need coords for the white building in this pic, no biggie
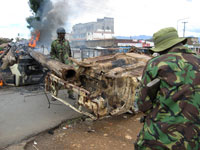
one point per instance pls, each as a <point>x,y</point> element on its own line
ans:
<point>102,29</point>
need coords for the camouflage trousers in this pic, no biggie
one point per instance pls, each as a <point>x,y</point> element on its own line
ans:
<point>60,87</point>
<point>147,140</point>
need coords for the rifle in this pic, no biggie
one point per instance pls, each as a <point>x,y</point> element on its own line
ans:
<point>152,89</point>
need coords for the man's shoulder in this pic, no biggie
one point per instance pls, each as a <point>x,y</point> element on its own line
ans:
<point>158,61</point>
<point>164,57</point>
<point>54,42</point>
<point>170,57</point>
<point>66,41</point>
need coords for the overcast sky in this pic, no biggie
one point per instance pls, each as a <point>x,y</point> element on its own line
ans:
<point>131,17</point>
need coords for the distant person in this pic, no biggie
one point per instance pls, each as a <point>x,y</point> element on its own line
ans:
<point>61,51</point>
<point>60,48</point>
<point>172,104</point>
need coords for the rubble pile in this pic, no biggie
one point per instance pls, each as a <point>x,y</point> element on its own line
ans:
<point>17,67</point>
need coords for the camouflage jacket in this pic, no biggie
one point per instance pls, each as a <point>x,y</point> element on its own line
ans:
<point>173,117</point>
<point>60,50</point>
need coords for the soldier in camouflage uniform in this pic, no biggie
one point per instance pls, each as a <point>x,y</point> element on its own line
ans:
<point>61,51</point>
<point>172,119</point>
<point>60,48</point>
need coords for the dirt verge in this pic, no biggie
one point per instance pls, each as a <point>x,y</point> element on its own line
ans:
<point>117,133</point>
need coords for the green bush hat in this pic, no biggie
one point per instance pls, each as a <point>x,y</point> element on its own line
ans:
<point>166,38</point>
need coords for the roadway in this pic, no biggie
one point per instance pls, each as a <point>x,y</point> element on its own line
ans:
<point>24,113</point>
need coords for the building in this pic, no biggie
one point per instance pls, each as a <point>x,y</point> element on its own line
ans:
<point>102,29</point>
<point>101,34</point>
<point>193,43</point>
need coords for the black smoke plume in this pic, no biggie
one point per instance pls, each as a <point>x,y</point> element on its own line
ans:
<point>47,17</point>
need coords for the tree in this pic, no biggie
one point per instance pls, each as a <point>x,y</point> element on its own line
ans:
<point>35,6</point>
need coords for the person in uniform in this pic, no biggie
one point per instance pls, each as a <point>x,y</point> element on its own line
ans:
<point>61,51</point>
<point>169,96</point>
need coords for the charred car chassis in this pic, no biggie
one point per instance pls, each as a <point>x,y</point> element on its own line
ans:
<point>105,85</point>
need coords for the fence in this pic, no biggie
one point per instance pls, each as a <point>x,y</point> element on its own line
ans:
<point>81,54</point>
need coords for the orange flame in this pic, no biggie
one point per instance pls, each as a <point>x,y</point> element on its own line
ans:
<point>34,38</point>
<point>1,83</point>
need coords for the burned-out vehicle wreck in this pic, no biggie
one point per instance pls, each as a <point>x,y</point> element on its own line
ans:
<point>105,85</point>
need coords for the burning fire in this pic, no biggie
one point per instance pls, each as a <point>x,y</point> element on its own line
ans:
<point>1,83</point>
<point>34,38</point>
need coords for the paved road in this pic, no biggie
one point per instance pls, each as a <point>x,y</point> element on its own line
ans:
<point>24,112</point>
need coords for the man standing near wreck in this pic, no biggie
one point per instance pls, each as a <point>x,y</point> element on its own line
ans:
<point>61,51</point>
<point>172,108</point>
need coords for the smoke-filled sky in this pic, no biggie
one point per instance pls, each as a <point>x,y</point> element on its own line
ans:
<point>131,17</point>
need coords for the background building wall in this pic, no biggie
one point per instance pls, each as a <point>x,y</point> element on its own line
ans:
<point>102,29</point>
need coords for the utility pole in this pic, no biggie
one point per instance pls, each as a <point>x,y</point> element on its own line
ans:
<point>180,20</point>
<point>184,28</point>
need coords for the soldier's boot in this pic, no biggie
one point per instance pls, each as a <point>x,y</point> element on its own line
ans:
<point>71,95</point>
